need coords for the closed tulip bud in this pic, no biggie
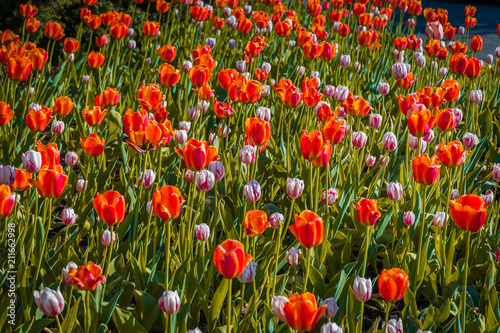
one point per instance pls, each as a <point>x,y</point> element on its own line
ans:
<point>263,113</point>
<point>332,197</point>
<point>248,154</point>
<point>301,70</point>
<point>132,44</point>
<point>31,91</point>
<point>266,88</point>
<point>186,66</point>
<point>227,12</point>
<point>458,115</point>
<point>345,60</point>
<point>358,139</point>
<point>454,194</point>
<point>252,191</point>
<point>420,59</point>
<point>85,79</point>
<point>291,44</point>
<point>439,219</point>
<point>294,187</point>
<point>443,71</point>
<point>293,256</point>
<point>70,159</point>
<point>434,30</point>
<point>489,59</point>
<point>149,178</point>
<point>248,273</point>
<point>331,327</point>
<point>210,42</point>
<point>181,137</point>
<point>469,140</point>
<point>202,231</point>
<point>50,302</point>
<point>389,141</point>
<point>67,279</point>
<point>370,161</point>
<point>341,93</point>
<point>385,160</point>
<point>57,127</point>
<point>497,52</point>
<point>399,70</point>
<point>241,66</point>
<point>394,326</point>
<point>395,191</point>
<point>328,91</point>
<point>217,168</point>
<point>411,23</point>
<point>106,238</point>
<point>205,180</point>
<point>278,305</point>
<point>185,125</point>
<point>190,176</point>
<point>357,65</point>
<point>420,331</point>
<point>148,61</point>
<point>81,184</point>
<point>413,143</point>
<point>362,289</point>
<point>212,137</point>
<point>496,172</point>
<point>429,136</point>
<point>68,216</point>
<point>193,113</point>
<point>408,218</point>
<point>275,220</point>
<point>266,67</point>
<point>169,302</point>
<point>476,96</point>
<point>71,57</point>
<point>461,30</point>
<point>130,32</point>
<point>231,43</point>
<point>434,65</point>
<point>7,175</point>
<point>488,197</point>
<point>375,120</point>
<point>331,307</point>
<point>32,161</point>
<point>383,88</point>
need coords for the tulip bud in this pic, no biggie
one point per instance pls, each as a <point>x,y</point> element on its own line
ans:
<point>331,327</point>
<point>420,59</point>
<point>66,270</point>
<point>186,66</point>
<point>370,161</point>
<point>68,216</point>
<point>345,60</point>
<point>231,43</point>
<point>458,115</point>
<point>181,137</point>
<point>148,208</point>
<point>332,197</point>
<point>278,305</point>
<point>85,79</point>
<point>70,159</point>
<point>399,70</point>
<point>293,256</point>
<point>341,93</point>
<point>434,30</point>
<point>439,219</point>
<point>71,57</point>
<point>57,127</point>
<point>252,191</point>
<point>420,331</point>
<point>331,307</point>
<point>169,302</point>
<point>454,194</point>
<point>429,136</point>
<point>205,180</point>
<point>50,302</point>
<point>149,178</point>
<point>210,42</point>
<point>413,143</point>
<point>301,70</point>
<point>130,32</point>
<point>81,184</point>
<point>488,197</point>
<point>190,176</point>
<point>476,96</point>
<point>291,44</point>
<point>411,23</point>
<point>266,67</point>
<point>389,141</point>
<point>266,88</point>
<point>193,113</point>
<point>469,140</point>
<point>328,91</point>
<point>31,91</point>
<point>409,218</point>
<point>294,187</point>
<point>395,191</point>
<point>383,88</point>
<point>497,52</point>
<point>248,273</point>
<point>202,231</point>
<point>148,61</point>
<point>263,113</point>
<point>358,139</point>
<point>132,44</point>
<point>460,30</point>
<point>32,161</point>
<point>106,238</point>
<point>384,160</point>
<point>241,66</point>
<point>7,175</point>
<point>362,289</point>
<point>227,11</point>
<point>375,120</point>
<point>393,325</point>
<point>443,71</point>
<point>275,220</point>
<point>212,137</point>
<point>217,168</point>
<point>357,65</point>
<point>247,154</point>
<point>434,65</point>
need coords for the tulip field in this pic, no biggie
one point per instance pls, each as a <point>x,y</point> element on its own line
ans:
<point>248,166</point>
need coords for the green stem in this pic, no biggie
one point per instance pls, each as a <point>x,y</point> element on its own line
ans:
<point>307,264</point>
<point>464,288</point>
<point>229,307</point>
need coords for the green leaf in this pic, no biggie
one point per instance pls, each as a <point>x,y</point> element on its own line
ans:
<point>125,322</point>
<point>218,300</point>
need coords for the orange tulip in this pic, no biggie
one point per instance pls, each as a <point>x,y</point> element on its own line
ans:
<point>198,13</point>
<point>37,120</point>
<point>425,170</point>
<point>124,18</point>
<point>261,19</point>
<point>70,45</point>
<point>38,58</point>
<point>50,182</point>
<point>406,103</point>
<point>367,211</point>
<point>334,130</point>
<point>312,49</point>
<point>446,120</point>
<point>311,96</point>
<point>86,277</point>
<point>222,109</point>
<point>392,284</point>
<point>430,97</point>
<point>473,68</point>
<point>365,19</point>
<point>311,144</point>
<point>109,18</point>
<point>200,50</point>
<point>50,154</point>
<point>413,42</point>
<point>452,90</point>
<point>468,212</point>
<point>283,28</point>
<point>92,145</point>
<point>470,10</point>
<point>230,258</point>
<point>54,30</point>
<point>204,93</point>
<point>95,59</point>
<point>27,10</point>
<point>199,75</point>
<point>309,228</point>
<point>93,116</point>
<point>92,21</point>
<point>458,47</point>
<point>110,207</point>
<point>476,43</point>
<point>470,22</point>
<point>169,76</point>
<point>110,96</point>
<point>119,30</point>
<point>19,68</point>
<point>302,311</point>
<point>344,29</point>
<point>452,154</point>
<point>206,61</point>
<point>244,25</point>
<point>449,31</point>
<point>167,201</point>
<point>407,82</point>
<point>420,123</point>
<point>32,24</point>
<point>458,63</point>
<point>219,22</point>
<point>245,90</point>
<point>258,131</point>
<point>8,37</point>
<point>6,113</point>
<point>6,201</point>
<point>255,222</point>
<point>162,6</point>
<point>149,97</point>
<point>89,2</point>
<point>357,106</point>
<point>150,28</point>
<point>101,41</point>
<point>261,75</point>
<point>21,182</point>
<point>197,154</point>
<point>167,53</point>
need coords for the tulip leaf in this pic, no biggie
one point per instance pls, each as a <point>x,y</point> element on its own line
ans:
<point>218,300</point>
<point>71,317</point>
<point>125,322</point>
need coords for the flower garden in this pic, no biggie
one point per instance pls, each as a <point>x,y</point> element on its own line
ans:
<point>252,166</point>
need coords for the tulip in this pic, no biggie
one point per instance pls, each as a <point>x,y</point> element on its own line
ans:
<point>70,159</point>
<point>63,105</point>
<point>278,305</point>
<point>439,219</point>
<point>454,194</point>
<point>383,88</point>
<point>476,96</point>
<point>263,113</point>
<point>205,180</point>
<point>332,197</point>
<point>468,212</point>
<point>230,258</point>
<point>394,326</point>
<point>452,154</point>
<point>32,161</point>
<point>6,113</point>
<point>86,277</point>
<point>311,144</point>
<point>302,312</point>
<point>57,127</point>
<point>341,93</point>
<point>308,229</point>
<point>38,119</point>
<point>81,184</point>
<point>362,289</point>
<point>370,161</point>
<point>252,191</point>
<point>50,182</point>
<point>95,59</point>
<point>110,207</point>
<point>92,145</point>
<point>167,201</point>
<point>181,137</point>
<point>169,76</point>
<point>434,30</point>
<point>425,170</point>
<point>496,172</point>
<point>392,284</point>
<point>488,197</point>
<point>429,137</point>
<point>7,201</point>
<point>258,131</point>
<point>49,301</point>
<point>247,154</point>
<point>408,218</point>
<point>294,187</point>
<point>68,216</point>
<point>389,141</point>
<point>358,139</point>
<point>458,115</point>
<point>106,238</point>
<point>476,43</point>
<point>331,307</point>
<point>202,231</point>
<point>217,168</point>
<point>345,60</point>
<point>149,178</point>
<point>399,70</point>
<point>275,220</point>
<point>169,302</point>
<point>149,97</point>
<point>375,120</point>
<point>248,273</point>
<point>331,328</point>
<point>197,154</point>
<point>293,256</point>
